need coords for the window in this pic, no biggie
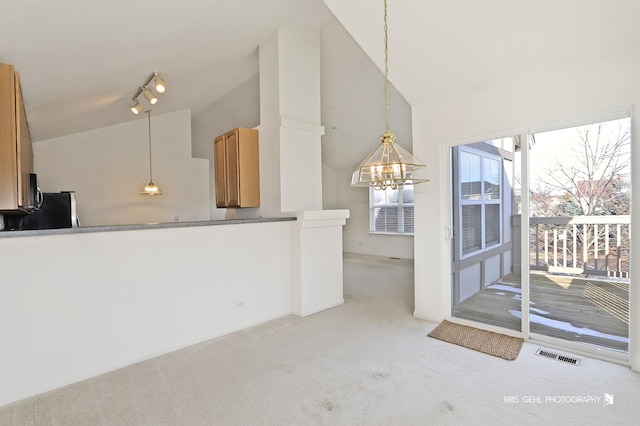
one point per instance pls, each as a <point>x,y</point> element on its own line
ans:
<point>480,200</point>
<point>391,211</point>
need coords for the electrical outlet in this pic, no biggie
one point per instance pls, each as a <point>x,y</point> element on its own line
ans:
<point>177,218</point>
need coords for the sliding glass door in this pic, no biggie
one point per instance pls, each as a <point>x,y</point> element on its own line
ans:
<point>579,208</point>
<point>541,228</point>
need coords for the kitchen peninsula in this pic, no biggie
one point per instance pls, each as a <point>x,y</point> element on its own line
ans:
<point>78,302</point>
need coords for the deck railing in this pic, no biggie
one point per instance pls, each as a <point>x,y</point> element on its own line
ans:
<point>592,245</point>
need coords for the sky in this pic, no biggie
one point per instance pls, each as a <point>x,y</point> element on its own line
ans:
<point>560,145</point>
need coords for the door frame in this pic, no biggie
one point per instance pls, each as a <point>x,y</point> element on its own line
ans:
<point>632,358</point>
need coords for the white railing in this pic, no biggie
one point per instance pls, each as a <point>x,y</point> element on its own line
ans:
<point>592,245</point>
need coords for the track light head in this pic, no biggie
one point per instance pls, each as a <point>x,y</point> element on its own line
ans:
<point>136,108</point>
<point>160,87</point>
<point>150,96</point>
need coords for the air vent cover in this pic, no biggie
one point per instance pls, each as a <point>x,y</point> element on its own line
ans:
<point>562,358</point>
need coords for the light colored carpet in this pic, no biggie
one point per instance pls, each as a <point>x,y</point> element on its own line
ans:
<point>366,362</point>
<point>488,342</point>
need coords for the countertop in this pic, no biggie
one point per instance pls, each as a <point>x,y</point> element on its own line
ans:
<point>136,227</point>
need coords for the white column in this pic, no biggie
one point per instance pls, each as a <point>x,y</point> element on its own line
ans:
<point>290,128</point>
<point>316,261</point>
<point>291,167</point>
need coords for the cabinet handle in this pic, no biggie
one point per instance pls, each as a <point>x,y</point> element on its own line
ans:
<point>39,198</point>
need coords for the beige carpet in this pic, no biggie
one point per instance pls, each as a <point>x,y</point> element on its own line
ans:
<point>366,362</point>
<point>496,344</point>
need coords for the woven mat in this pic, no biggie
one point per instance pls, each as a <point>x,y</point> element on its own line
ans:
<point>491,343</point>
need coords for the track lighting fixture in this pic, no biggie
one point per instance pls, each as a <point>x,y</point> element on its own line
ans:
<point>136,108</point>
<point>159,87</point>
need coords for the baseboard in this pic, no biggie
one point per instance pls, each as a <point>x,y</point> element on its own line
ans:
<point>426,317</point>
<point>306,313</point>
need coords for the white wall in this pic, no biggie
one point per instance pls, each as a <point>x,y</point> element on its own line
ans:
<point>66,321</point>
<point>592,85</point>
<point>329,187</point>
<point>238,108</point>
<point>108,167</point>
<point>353,114</point>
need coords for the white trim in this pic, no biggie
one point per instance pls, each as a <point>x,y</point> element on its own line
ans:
<point>446,222</point>
<point>483,138</point>
<point>303,126</point>
<point>397,234</point>
<point>525,294</point>
<point>488,327</point>
<point>634,264</point>
<point>481,202</point>
<point>615,114</point>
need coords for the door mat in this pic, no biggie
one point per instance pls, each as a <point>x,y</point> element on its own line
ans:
<point>488,342</point>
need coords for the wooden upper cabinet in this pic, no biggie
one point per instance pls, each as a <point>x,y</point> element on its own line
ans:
<point>237,168</point>
<point>25,148</point>
<point>16,153</point>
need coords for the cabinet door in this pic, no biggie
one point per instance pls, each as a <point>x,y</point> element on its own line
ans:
<point>219,165</point>
<point>25,150</point>
<point>233,181</point>
<point>8,163</point>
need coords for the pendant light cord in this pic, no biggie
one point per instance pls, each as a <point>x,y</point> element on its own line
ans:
<point>386,67</point>
<point>150,169</point>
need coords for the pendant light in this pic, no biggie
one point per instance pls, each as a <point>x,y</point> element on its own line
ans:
<point>151,188</point>
<point>389,165</point>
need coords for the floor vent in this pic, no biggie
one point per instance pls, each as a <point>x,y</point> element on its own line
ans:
<point>558,357</point>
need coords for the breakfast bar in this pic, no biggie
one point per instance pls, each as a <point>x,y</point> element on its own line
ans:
<point>126,293</point>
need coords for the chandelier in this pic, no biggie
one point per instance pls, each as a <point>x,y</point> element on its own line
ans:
<point>389,165</point>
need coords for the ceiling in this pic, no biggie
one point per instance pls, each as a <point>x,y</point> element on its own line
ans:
<point>442,51</point>
<point>81,61</point>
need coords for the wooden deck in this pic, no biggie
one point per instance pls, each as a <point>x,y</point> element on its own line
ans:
<point>583,310</point>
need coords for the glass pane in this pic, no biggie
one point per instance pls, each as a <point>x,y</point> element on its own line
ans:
<point>470,176</point>
<point>408,219</point>
<point>407,195</point>
<point>579,240</point>
<point>491,179</point>
<point>471,229</point>
<point>485,287</point>
<point>492,224</point>
<point>392,196</point>
<point>385,219</point>
<point>377,196</point>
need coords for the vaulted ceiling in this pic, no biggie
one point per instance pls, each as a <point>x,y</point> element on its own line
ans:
<point>81,61</point>
<point>449,49</point>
